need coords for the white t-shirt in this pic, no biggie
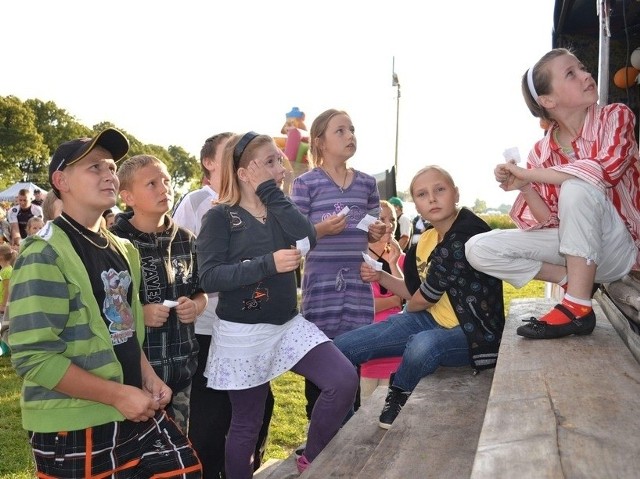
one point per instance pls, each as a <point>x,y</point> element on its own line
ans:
<point>405,226</point>
<point>188,214</point>
<point>15,216</point>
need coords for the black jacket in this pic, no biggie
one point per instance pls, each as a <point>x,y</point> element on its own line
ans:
<point>475,297</point>
<point>169,270</point>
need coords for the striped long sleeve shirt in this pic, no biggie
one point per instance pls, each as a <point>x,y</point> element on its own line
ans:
<point>605,155</point>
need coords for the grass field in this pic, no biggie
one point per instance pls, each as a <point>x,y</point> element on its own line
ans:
<point>287,425</point>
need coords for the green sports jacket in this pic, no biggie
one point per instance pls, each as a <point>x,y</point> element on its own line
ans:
<point>55,321</point>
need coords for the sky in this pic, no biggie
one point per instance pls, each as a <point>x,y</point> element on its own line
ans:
<point>175,73</point>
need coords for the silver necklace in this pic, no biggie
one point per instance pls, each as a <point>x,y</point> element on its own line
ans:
<point>344,181</point>
<point>262,217</point>
<point>85,236</point>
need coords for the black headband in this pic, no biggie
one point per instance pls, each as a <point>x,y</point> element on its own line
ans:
<point>241,146</point>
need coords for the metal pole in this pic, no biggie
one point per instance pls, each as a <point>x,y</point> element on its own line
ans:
<point>603,51</point>
<point>396,83</point>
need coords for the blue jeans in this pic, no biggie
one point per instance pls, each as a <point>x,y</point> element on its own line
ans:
<point>423,344</point>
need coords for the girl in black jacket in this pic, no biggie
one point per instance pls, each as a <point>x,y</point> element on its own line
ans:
<point>454,314</point>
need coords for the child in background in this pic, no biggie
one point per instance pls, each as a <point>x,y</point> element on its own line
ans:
<point>91,402</point>
<point>109,218</point>
<point>454,314</point>
<point>169,274</point>
<point>7,260</point>
<point>387,251</point>
<point>34,224</point>
<point>404,227</point>
<point>334,297</point>
<point>5,227</point>
<point>51,207</point>
<point>578,209</point>
<point>248,251</point>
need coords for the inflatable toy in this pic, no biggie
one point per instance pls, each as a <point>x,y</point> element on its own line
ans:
<point>295,145</point>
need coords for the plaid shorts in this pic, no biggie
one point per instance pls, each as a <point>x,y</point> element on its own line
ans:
<point>122,450</point>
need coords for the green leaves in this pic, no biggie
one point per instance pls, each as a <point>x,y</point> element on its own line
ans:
<point>30,131</point>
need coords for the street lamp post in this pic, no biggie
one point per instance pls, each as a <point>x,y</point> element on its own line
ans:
<point>396,83</point>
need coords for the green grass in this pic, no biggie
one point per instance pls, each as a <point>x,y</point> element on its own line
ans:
<point>287,425</point>
<point>534,289</point>
<point>15,453</point>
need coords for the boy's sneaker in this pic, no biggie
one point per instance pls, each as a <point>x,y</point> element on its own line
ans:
<point>396,399</point>
<point>302,463</point>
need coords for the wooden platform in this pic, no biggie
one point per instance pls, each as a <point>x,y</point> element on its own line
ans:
<point>564,408</point>
<point>446,408</point>
<point>348,450</point>
<point>437,432</point>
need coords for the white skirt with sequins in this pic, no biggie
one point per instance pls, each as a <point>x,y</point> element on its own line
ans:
<point>242,356</point>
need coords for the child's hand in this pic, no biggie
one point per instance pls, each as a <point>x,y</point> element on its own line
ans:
<point>155,314</point>
<point>158,390</point>
<point>287,259</point>
<point>394,251</point>
<point>257,173</point>
<point>139,405</point>
<point>186,310</point>
<point>510,176</point>
<point>376,230</point>
<point>333,225</point>
<point>368,274</point>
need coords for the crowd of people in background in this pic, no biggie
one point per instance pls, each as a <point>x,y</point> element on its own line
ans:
<point>164,324</point>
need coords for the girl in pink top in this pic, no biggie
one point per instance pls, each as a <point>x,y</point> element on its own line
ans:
<point>386,250</point>
<point>578,211</point>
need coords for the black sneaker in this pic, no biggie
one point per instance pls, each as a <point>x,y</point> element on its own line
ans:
<point>581,326</point>
<point>396,398</point>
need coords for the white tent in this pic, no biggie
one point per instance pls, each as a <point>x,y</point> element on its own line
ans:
<point>10,193</point>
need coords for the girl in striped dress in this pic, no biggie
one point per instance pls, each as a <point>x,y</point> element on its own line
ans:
<point>578,211</point>
<point>336,199</point>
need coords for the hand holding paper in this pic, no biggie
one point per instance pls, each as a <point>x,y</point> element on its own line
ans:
<point>303,245</point>
<point>365,222</point>
<point>376,265</point>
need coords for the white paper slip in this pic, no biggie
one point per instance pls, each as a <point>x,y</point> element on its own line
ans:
<point>376,265</point>
<point>344,211</point>
<point>512,154</point>
<point>303,245</point>
<point>365,222</point>
<point>169,303</point>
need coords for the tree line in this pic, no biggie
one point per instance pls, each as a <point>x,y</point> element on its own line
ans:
<point>31,130</point>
